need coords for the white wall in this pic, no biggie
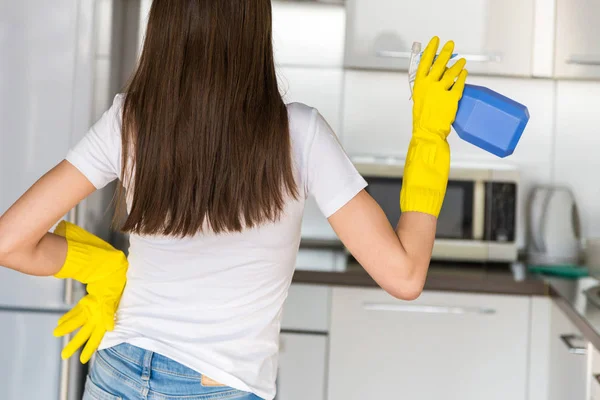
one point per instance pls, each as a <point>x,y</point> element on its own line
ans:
<point>371,113</point>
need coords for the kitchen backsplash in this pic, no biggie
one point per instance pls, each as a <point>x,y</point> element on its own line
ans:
<point>371,113</point>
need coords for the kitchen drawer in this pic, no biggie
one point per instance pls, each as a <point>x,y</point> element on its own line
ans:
<point>496,37</point>
<point>308,34</point>
<point>307,308</point>
<point>568,374</point>
<point>443,345</point>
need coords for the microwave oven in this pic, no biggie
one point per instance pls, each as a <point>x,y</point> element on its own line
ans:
<point>477,222</point>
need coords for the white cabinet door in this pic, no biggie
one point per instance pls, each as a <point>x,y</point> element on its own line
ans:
<point>568,361</point>
<point>577,46</point>
<point>594,374</point>
<point>307,308</point>
<point>302,366</point>
<point>308,34</point>
<point>441,346</point>
<point>495,36</point>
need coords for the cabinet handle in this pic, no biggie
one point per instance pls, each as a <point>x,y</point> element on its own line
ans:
<point>573,349</point>
<point>427,309</point>
<point>484,58</point>
<point>583,60</point>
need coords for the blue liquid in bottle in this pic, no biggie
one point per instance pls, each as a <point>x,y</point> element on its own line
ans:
<point>490,121</point>
<point>485,118</point>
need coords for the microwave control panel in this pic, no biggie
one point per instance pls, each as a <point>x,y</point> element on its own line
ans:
<point>500,211</point>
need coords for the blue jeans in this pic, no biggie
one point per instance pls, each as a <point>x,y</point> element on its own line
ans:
<point>126,372</point>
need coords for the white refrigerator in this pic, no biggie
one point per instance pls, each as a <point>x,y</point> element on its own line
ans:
<point>56,76</point>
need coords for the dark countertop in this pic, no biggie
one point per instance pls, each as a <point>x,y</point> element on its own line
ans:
<point>457,278</point>
<point>568,294</point>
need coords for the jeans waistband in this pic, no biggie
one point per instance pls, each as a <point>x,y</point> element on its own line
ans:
<point>150,361</point>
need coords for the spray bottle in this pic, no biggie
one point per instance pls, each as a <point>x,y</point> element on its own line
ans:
<point>485,118</point>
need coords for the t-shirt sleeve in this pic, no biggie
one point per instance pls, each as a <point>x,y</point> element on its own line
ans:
<point>98,153</point>
<point>332,179</point>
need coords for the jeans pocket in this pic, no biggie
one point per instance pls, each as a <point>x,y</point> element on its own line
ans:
<point>94,392</point>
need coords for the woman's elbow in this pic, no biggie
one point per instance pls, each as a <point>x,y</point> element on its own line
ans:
<point>5,251</point>
<point>407,287</point>
<point>10,255</point>
<point>407,291</point>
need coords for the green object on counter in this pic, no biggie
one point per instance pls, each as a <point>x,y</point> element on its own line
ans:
<point>564,271</point>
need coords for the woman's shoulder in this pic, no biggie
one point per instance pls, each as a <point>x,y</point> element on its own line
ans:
<point>303,120</point>
<point>302,126</point>
<point>300,113</point>
<point>306,122</point>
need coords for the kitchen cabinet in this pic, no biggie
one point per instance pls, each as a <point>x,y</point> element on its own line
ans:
<point>594,373</point>
<point>443,345</point>
<point>303,343</point>
<point>496,37</point>
<point>568,362</point>
<point>308,34</point>
<point>307,308</point>
<point>577,52</point>
<point>302,366</point>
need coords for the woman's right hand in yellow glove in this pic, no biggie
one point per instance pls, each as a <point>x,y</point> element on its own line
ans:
<point>92,261</point>
<point>436,94</point>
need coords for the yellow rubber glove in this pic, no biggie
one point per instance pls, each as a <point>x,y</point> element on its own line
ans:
<point>91,261</point>
<point>436,94</point>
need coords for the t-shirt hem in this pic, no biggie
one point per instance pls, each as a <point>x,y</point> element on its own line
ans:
<point>206,369</point>
<point>357,184</point>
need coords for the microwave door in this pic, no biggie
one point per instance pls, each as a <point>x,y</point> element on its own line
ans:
<point>456,217</point>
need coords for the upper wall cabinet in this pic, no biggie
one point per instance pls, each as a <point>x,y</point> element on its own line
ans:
<point>308,34</point>
<point>577,46</point>
<point>495,36</point>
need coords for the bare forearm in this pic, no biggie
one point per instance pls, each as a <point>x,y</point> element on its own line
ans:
<point>416,232</point>
<point>25,244</point>
<point>44,259</point>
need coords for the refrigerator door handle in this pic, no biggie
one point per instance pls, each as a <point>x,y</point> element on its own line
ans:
<point>72,217</point>
<point>64,372</point>
<point>68,299</point>
<point>69,289</point>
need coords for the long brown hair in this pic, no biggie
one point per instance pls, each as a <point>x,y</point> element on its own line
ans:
<point>205,130</point>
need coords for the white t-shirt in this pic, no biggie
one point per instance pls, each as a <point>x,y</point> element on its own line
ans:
<point>213,302</point>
